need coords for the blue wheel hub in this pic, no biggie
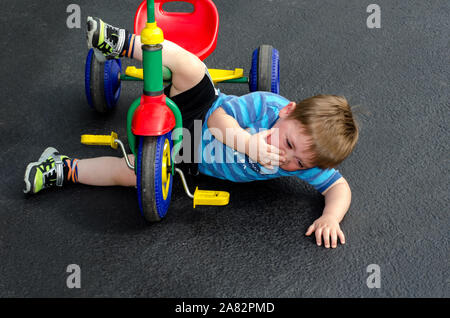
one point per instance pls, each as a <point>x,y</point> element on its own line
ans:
<point>112,82</point>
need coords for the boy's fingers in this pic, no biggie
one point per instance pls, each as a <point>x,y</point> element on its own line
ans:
<point>309,230</point>
<point>319,236</point>
<point>326,237</point>
<point>341,236</point>
<point>265,133</point>
<point>268,132</point>
<point>270,159</point>
<point>333,239</point>
<point>273,149</point>
<point>275,158</point>
<point>266,162</point>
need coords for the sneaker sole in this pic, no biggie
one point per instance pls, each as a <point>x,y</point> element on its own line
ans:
<point>47,153</point>
<point>91,28</point>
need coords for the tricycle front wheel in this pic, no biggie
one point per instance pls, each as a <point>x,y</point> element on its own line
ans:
<point>154,176</point>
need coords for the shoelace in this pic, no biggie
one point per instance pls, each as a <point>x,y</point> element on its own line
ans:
<point>112,34</point>
<point>48,175</point>
<point>105,48</point>
<point>112,37</point>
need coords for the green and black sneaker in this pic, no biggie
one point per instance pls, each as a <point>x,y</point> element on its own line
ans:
<point>47,172</point>
<point>106,38</point>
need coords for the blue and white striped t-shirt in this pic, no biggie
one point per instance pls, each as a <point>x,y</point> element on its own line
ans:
<point>256,111</point>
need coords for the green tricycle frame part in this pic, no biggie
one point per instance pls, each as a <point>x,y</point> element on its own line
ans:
<point>152,65</point>
<point>153,85</point>
<point>150,11</point>
<point>166,73</point>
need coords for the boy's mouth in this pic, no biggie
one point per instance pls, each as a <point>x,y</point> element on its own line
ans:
<point>269,140</point>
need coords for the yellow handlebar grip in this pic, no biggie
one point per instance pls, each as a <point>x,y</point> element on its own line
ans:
<point>100,140</point>
<point>134,72</point>
<point>223,75</point>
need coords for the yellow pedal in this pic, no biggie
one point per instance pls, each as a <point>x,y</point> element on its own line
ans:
<point>208,197</point>
<point>100,140</point>
<point>224,75</point>
<point>134,72</point>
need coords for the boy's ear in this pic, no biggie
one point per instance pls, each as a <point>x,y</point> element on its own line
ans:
<point>287,110</point>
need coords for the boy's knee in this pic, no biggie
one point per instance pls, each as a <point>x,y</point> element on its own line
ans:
<point>187,62</point>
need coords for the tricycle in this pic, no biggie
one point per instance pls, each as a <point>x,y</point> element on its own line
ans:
<point>153,116</point>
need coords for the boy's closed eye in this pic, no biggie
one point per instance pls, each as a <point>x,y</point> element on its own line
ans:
<point>290,147</point>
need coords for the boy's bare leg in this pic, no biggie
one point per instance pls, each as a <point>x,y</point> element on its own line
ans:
<point>187,69</point>
<point>53,169</point>
<point>106,171</point>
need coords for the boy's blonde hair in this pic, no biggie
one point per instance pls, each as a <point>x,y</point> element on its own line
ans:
<point>329,122</point>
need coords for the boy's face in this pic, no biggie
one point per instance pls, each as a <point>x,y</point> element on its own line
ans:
<point>291,138</point>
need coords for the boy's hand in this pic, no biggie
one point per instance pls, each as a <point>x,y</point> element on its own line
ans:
<point>327,227</point>
<point>259,150</point>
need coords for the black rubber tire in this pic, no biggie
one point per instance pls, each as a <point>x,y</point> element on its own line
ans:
<point>264,72</point>
<point>147,176</point>
<point>265,68</point>
<point>97,85</point>
<point>152,202</point>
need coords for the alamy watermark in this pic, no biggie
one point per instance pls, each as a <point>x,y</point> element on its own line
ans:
<point>74,19</point>
<point>74,279</point>
<point>220,148</point>
<point>374,279</point>
<point>374,19</point>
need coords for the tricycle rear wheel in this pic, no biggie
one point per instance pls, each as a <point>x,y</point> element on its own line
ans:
<point>102,82</point>
<point>265,70</point>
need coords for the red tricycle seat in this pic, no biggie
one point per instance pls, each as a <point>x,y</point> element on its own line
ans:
<point>195,31</point>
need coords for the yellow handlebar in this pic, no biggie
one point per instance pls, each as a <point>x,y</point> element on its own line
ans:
<point>100,140</point>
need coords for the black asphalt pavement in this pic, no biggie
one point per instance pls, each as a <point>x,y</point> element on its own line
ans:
<point>396,76</point>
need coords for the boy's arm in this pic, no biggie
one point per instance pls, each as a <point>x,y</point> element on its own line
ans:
<point>337,199</point>
<point>337,202</point>
<point>227,130</point>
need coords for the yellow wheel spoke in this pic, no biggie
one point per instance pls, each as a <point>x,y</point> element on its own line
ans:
<point>165,169</point>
